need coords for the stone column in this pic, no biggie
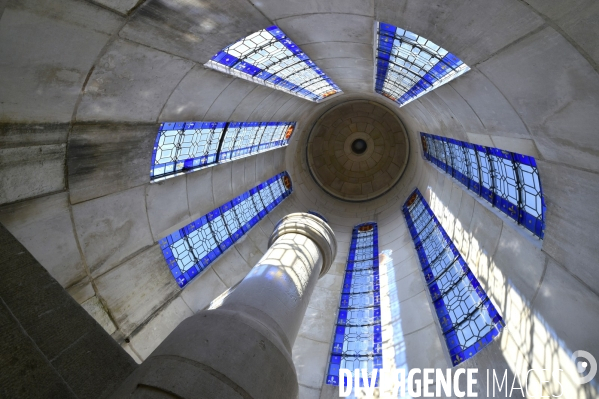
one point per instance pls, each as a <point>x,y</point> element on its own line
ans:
<point>242,348</point>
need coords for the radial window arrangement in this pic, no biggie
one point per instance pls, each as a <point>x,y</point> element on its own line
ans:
<point>509,181</point>
<point>182,147</point>
<point>190,250</point>
<point>358,340</point>
<point>270,58</point>
<point>468,319</point>
<point>409,66</point>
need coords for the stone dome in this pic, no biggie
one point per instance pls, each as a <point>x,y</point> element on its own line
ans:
<point>86,86</point>
<point>357,150</point>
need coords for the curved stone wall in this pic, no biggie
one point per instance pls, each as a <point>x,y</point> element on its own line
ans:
<point>87,83</point>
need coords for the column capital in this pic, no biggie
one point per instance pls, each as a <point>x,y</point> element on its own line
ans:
<point>312,227</point>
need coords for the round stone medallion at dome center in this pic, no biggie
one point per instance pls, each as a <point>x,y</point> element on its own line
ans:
<point>357,150</point>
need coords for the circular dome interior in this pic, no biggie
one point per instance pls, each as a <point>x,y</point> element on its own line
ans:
<point>357,150</point>
<point>87,84</point>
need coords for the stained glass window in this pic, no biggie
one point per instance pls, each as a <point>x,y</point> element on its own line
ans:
<point>409,66</point>
<point>181,147</point>
<point>507,180</point>
<point>190,250</point>
<point>270,58</point>
<point>358,339</point>
<point>468,319</point>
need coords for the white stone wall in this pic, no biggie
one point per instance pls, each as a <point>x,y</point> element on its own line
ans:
<point>104,250</point>
<point>85,87</point>
<point>549,311</point>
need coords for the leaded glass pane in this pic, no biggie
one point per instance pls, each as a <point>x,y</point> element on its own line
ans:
<point>363,281</point>
<point>270,58</point>
<point>272,133</point>
<point>506,184</point>
<point>486,170</point>
<point>474,170</point>
<point>419,211</point>
<point>442,261</point>
<point>363,264</point>
<point>188,251</point>
<point>229,139</point>
<point>423,220</point>
<point>428,228</point>
<point>245,211</point>
<point>168,146</point>
<point>232,220</point>
<point>466,316</point>
<point>183,252</point>
<point>448,156</point>
<point>448,275</point>
<point>531,190</point>
<point>409,66</point>
<point>361,300</point>
<point>359,341</point>
<point>532,213</point>
<point>257,200</point>
<point>182,147</point>
<point>479,325</point>
<point>509,181</point>
<point>360,316</point>
<point>461,300</point>
<point>277,189</point>
<point>432,147</point>
<point>459,159</point>
<point>248,137</point>
<point>219,229</point>
<point>420,214</point>
<point>358,336</point>
<point>201,241</point>
<point>363,253</point>
<point>440,149</point>
<point>434,244</point>
<point>267,196</point>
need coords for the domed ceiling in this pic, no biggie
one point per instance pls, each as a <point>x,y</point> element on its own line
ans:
<point>357,150</point>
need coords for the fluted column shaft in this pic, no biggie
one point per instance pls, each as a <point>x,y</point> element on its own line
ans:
<point>242,348</point>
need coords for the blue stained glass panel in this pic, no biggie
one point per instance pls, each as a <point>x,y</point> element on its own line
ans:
<point>188,251</point>
<point>201,242</point>
<point>181,147</point>
<point>358,335</point>
<point>508,181</point>
<point>270,58</point>
<point>409,66</point>
<point>245,210</point>
<point>467,317</point>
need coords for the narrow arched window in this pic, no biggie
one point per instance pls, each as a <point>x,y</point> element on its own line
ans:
<point>182,147</point>
<point>467,317</point>
<point>357,343</point>
<point>270,58</point>
<point>409,66</point>
<point>507,180</point>
<point>190,250</point>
